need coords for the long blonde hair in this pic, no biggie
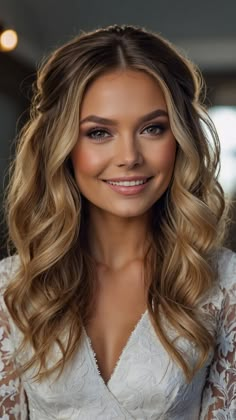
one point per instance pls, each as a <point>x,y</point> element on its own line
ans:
<point>55,285</point>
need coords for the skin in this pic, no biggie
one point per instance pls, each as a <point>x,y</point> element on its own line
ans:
<point>118,223</point>
<point>127,148</point>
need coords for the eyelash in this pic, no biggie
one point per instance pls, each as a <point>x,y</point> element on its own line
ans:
<point>161,127</point>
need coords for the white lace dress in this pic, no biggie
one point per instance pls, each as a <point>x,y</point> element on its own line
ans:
<point>145,384</point>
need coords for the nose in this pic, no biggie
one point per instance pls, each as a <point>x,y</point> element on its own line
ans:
<point>128,153</point>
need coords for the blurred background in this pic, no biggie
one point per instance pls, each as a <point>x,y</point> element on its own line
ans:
<point>204,30</point>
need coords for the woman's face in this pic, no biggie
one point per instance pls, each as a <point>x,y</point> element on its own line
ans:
<point>124,136</point>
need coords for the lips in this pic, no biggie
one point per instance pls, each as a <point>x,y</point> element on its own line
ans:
<point>131,190</point>
<point>129,179</point>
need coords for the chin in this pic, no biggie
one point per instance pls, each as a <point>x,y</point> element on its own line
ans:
<point>128,213</point>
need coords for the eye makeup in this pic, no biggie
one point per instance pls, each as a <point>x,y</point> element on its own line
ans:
<point>100,133</point>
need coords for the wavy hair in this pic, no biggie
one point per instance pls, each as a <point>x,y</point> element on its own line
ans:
<point>55,285</point>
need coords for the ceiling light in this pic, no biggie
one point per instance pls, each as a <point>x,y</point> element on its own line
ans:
<point>8,40</point>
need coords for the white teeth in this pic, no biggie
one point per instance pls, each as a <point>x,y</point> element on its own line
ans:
<point>127,183</point>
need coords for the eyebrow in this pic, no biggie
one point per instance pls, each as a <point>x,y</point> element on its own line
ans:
<point>106,121</point>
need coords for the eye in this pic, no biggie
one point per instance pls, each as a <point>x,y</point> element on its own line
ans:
<point>155,129</point>
<point>97,134</point>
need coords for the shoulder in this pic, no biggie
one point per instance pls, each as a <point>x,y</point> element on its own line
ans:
<point>226,268</point>
<point>8,267</point>
<point>219,393</point>
<point>224,287</point>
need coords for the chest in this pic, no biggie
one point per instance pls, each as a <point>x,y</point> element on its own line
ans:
<point>120,303</point>
<point>145,385</point>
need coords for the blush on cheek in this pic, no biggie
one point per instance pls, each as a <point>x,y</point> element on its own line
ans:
<point>170,154</point>
<point>85,162</point>
<point>166,155</point>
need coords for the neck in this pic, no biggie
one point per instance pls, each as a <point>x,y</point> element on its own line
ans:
<point>115,242</point>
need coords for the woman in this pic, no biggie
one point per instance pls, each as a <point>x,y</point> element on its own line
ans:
<point>120,302</point>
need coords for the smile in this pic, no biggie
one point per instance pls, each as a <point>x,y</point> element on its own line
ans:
<point>128,187</point>
<point>127,183</point>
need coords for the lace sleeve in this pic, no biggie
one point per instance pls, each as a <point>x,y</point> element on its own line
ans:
<point>219,394</point>
<point>12,396</point>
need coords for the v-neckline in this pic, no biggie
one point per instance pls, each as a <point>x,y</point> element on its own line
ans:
<point>119,360</point>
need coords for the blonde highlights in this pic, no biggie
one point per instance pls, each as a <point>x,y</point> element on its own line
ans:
<point>55,285</point>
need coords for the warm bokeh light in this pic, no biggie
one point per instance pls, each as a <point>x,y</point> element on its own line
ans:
<point>224,118</point>
<point>8,40</point>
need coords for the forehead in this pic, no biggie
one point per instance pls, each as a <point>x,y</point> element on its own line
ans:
<point>123,91</point>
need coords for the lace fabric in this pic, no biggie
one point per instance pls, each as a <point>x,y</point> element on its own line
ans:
<point>219,395</point>
<point>145,384</point>
<point>94,356</point>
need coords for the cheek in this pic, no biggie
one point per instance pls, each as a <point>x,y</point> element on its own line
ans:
<point>164,156</point>
<point>85,161</point>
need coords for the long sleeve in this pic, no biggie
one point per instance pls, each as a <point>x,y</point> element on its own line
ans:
<point>12,396</point>
<point>219,395</point>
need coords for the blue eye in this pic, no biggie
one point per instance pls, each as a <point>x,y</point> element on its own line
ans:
<point>154,129</point>
<point>98,134</point>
